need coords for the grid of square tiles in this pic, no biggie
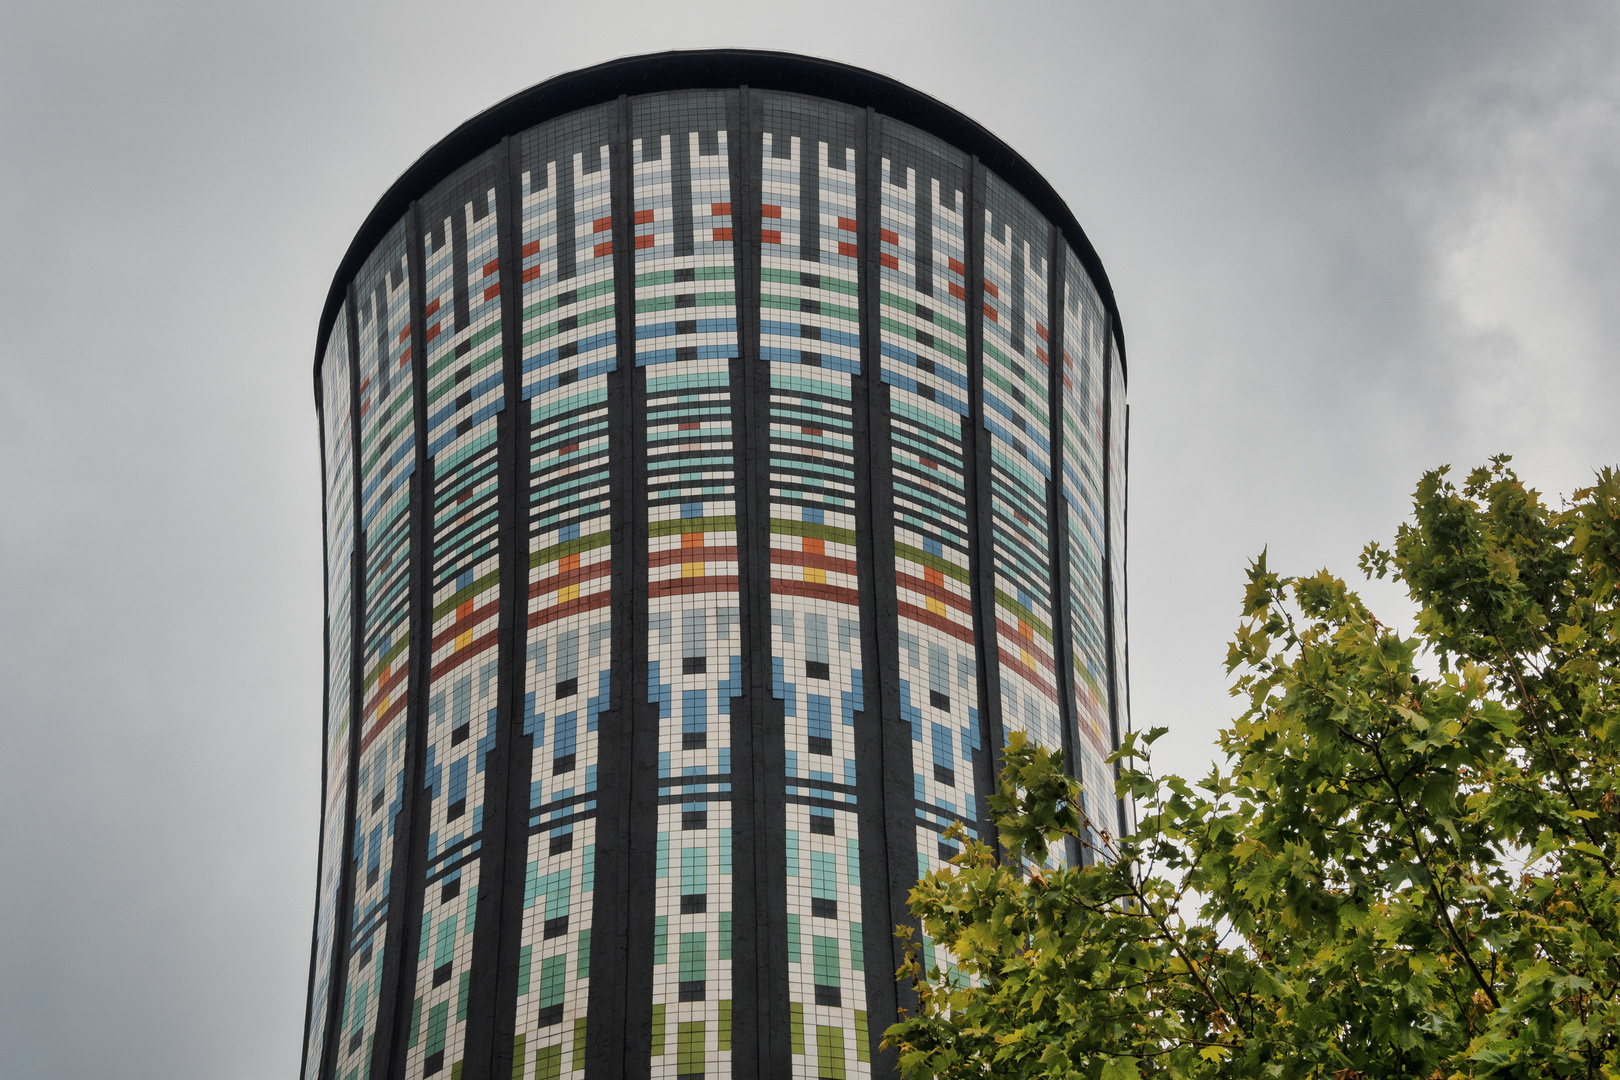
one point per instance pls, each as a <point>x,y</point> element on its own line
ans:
<point>1116,551</point>
<point>338,421</point>
<point>569,346</point>
<point>1017,416</point>
<point>686,338</point>
<point>923,327</point>
<point>388,459</point>
<point>464,373</point>
<point>1083,442</point>
<point>810,337</point>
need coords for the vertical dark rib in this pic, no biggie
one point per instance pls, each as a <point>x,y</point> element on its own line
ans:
<point>567,252</point>
<point>922,263</point>
<point>759,878</point>
<point>1108,559</point>
<point>620,1002</point>
<point>748,915</point>
<point>882,746</point>
<point>680,188</point>
<point>1126,809</point>
<point>1057,516</point>
<point>498,929</point>
<point>458,285</point>
<point>326,709</point>
<point>809,195</point>
<point>406,888</point>
<point>1015,274</point>
<point>341,928</point>
<point>981,550</point>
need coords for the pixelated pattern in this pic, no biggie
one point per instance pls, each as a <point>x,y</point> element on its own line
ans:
<point>1084,355</point>
<point>1116,553</point>
<point>338,432</point>
<point>1017,418</point>
<point>465,392</point>
<point>569,346</point>
<point>686,338</point>
<point>678,163</point>
<point>923,328</point>
<point>387,461</point>
<point>810,337</point>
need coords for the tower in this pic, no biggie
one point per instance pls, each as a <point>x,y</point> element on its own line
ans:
<point>722,452</point>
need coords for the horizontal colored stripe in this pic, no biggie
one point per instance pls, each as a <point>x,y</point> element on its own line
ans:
<point>1017,666</point>
<point>1005,601</point>
<point>789,557</point>
<point>815,590</point>
<point>923,558</point>
<point>812,529</point>
<point>938,622</point>
<point>1010,635</point>
<point>395,707</point>
<point>918,585</point>
<point>455,600</point>
<point>467,622</point>
<point>474,649</point>
<point>693,585</point>
<point>570,547</point>
<point>668,556</point>
<point>385,659</point>
<point>573,577</point>
<point>671,526</point>
<point>577,606</point>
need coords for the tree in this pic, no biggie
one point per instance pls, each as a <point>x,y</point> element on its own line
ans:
<point>1405,868</point>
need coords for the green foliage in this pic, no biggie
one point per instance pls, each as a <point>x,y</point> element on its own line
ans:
<point>1407,867</point>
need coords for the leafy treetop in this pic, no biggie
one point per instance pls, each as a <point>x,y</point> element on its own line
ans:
<point>1407,867</point>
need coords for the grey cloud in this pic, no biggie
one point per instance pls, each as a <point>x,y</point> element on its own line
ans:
<point>1348,243</point>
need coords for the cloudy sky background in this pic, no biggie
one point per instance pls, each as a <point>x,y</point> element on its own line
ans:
<point>1348,243</point>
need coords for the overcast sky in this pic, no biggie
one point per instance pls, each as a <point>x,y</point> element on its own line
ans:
<point>1348,243</point>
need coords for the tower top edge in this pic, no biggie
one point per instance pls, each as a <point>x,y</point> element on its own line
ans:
<point>709,69</point>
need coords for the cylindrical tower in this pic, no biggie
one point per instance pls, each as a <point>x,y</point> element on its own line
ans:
<point>723,452</point>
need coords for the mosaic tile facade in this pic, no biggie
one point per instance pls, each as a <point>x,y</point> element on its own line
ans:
<point>463,353</point>
<point>810,341</point>
<point>337,440</point>
<point>569,347</point>
<point>805,433</point>
<point>686,341</point>
<point>923,320</point>
<point>386,505</point>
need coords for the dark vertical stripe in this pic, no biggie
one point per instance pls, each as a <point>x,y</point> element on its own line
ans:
<point>620,995</point>
<point>759,819</point>
<point>1127,821</point>
<point>1108,562</point>
<point>567,251</point>
<point>680,186</point>
<point>809,195</point>
<point>981,543</point>
<point>922,264</point>
<point>1015,275</point>
<point>882,741</point>
<point>1057,518</point>
<point>326,708</point>
<point>458,283</point>
<point>498,931</point>
<point>749,917</point>
<point>406,884</point>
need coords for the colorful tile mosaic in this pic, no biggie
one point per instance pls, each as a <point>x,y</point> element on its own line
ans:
<point>790,364</point>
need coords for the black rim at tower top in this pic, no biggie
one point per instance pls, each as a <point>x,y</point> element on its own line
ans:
<point>711,69</point>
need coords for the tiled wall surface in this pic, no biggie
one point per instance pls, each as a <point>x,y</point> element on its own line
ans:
<point>569,347</point>
<point>382,327</point>
<point>337,439</point>
<point>806,434</point>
